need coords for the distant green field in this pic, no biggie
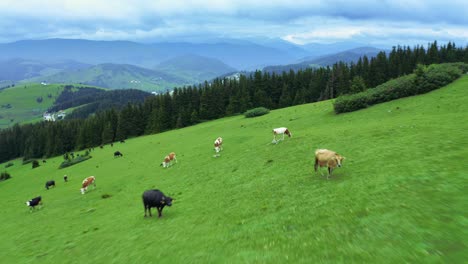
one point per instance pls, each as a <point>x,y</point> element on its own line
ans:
<point>400,197</point>
<point>22,99</point>
<point>115,76</point>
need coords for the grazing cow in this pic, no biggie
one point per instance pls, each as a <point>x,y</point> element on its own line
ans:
<point>44,161</point>
<point>118,154</point>
<point>122,141</point>
<point>280,131</point>
<point>34,202</point>
<point>325,157</point>
<point>65,178</point>
<point>218,144</point>
<point>168,160</point>
<point>155,198</point>
<point>49,184</point>
<point>87,182</point>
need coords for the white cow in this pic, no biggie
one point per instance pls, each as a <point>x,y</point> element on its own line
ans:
<point>280,131</point>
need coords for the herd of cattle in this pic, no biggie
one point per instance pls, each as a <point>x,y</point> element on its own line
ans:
<point>156,199</point>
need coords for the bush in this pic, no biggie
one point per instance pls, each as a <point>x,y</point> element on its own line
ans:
<point>68,163</point>
<point>259,111</point>
<point>4,176</point>
<point>425,79</point>
<point>35,164</point>
<point>9,165</point>
<point>26,161</point>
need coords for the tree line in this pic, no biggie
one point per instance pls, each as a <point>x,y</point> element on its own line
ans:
<point>222,97</point>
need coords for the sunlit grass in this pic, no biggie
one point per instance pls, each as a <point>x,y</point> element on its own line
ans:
<point>400,197</point>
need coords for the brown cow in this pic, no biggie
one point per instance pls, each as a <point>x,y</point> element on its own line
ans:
<point>218,145</point>
<point>329,158</point>
<point>168,160</point>
<point>86,183</point>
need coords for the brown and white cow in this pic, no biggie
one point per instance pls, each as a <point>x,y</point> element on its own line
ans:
<point>328,158</point>
<point>218,144</point>
<point>169,159</point>
<point>280,131</point>
<point>87,182</point>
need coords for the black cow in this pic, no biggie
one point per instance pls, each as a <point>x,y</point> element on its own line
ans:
<point>34,202</point>
<point>118,154</point>
<point>65,178</point>
<point>49,184</point>
<point>155,198</point>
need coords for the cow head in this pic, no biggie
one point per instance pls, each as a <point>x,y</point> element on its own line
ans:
<point>166,200</point>
<point>288,133</point>
<point>339,159</point>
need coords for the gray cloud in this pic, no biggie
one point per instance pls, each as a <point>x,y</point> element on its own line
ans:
<point>301,21</point>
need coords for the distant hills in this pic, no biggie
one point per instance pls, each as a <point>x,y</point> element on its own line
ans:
<point>19,69</point>
<point>195,68</point>
<point>240,55</point>
<point>116,76</point>
<point>347,56</point>
<point>176,72</point>
<point>159,66</point>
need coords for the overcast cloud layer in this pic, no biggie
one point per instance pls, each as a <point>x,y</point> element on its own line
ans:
<point>386,22</point>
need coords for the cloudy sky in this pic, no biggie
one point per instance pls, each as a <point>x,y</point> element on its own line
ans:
<point>385,22</point>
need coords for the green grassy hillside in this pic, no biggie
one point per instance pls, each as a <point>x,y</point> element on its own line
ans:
<point>22,99</point>
<point>118,76</point>
<point>400,197</point>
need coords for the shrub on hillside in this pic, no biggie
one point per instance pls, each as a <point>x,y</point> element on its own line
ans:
<point>4,176</point>
<point>71,162</point>
<point>35,164</point>
<point>26,161</point>
<point>9,164</point>
<point>424,79</point>
<point>259,111</point>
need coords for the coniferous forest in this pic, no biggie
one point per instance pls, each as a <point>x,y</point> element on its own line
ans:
<point>222,97</point>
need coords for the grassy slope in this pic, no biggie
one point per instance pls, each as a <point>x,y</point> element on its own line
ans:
<point>23,101</point>
<point>118,76</point>
<point>400,197</point>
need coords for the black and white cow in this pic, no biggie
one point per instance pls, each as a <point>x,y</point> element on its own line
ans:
<point>155,198</point>
<point>34,202</point>
<point>49,184</point>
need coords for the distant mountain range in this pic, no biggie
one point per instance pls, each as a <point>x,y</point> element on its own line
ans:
<point>242,55</point>
<point>180,71</point>
<point>347,56</point>
<point>159,66</point>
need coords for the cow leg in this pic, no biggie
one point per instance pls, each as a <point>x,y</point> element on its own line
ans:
<point>329,172</point>
<point>159,212</point>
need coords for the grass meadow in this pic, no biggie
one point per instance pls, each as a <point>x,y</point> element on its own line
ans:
<point>401,196</point>
<point>24,107</point>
